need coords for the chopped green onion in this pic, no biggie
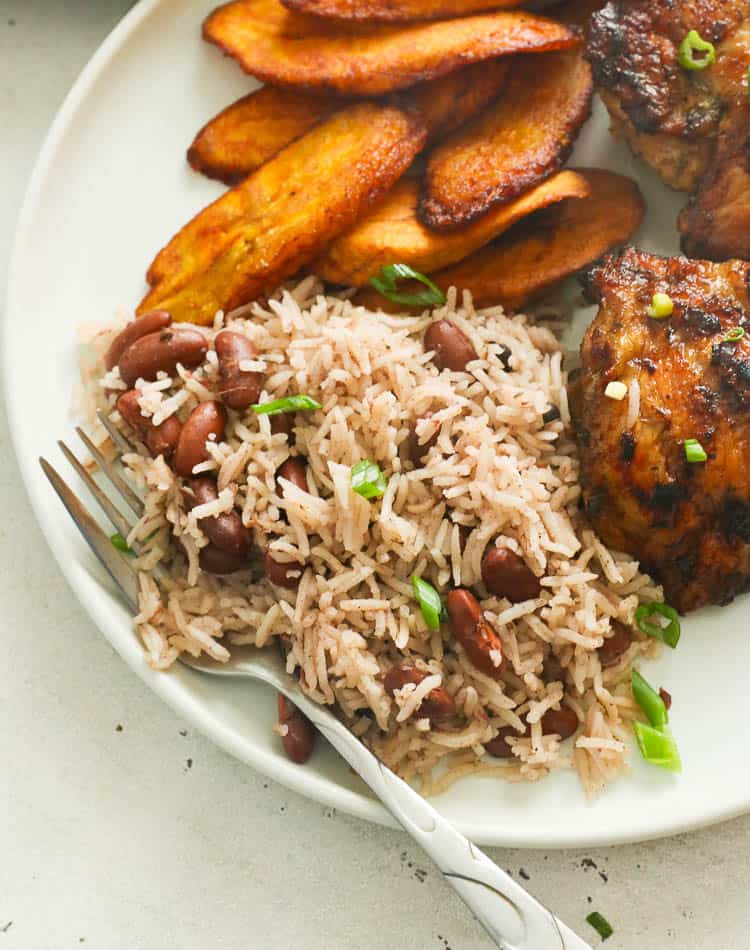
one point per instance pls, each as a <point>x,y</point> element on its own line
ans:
<point>600,924</point>
<point>386,283</point>
<point>736,333</point>
<point>430,602</point>
<point>662,306</point>
<point>287,404</point>
<point>692,44</point>
<point>694,451</point>
<point>649,700</point>
<point>657,748</point>
<point>121,544</point>
<point>367,479</point>
<point>668,633</point>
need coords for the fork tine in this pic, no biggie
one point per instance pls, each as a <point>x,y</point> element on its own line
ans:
<point>112,474</point>
<point>117,566</point>
<point>108,507</point>
<point>114,433</point>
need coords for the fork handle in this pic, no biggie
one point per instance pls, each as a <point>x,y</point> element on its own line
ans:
<point>511,916</point>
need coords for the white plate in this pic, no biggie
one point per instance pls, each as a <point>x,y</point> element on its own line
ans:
<point>110,187</point>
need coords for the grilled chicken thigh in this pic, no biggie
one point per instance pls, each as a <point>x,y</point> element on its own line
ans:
<point>688,522</point>
<point>691,125</point>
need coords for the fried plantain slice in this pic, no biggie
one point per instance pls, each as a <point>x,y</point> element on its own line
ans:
<point>449,101</point>
<point>391,232</point>
<point>255,128</point>
<point>526,135</point>
<point>284,214</point>
<point>395,10</point>
<point>306,52</point>
<point>533,257</point>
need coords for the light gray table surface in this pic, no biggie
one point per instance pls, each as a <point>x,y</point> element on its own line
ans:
<point>120,828</point>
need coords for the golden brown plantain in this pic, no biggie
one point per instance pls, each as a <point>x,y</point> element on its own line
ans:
<point>536,254</point>
<point>256,127</point>
<point>306,52</point>
<point>449,101</point>
<point>391,232</point>
<point>524,137</point>
<point>284,214</point>
<point>374,10</point>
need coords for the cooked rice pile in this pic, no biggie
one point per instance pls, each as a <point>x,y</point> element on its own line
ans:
<point>497,468</point>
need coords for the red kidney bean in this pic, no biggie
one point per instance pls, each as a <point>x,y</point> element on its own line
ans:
<point>505,574</point>
<point>225,531</point>
<point>162,351</point>
<point>207,419</point>
<point>299,740</point>
<point>437,705</point>
<point>150,322</point>
<point>665,697</point>
<point>293,470</point>
<point>473,632</point>
<point>215,561</point>
<point>130,410</point>
<point>238,388</point>
<point>498,747</point>
<point>283,422</point>
<point>416,451</point>
<point>614,646</point>
<point>452,348</point>
<point>562,721</point>
<point>282,573</point>
<point>161,439</point>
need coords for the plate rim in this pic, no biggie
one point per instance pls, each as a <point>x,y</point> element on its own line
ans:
<point>325,792</point>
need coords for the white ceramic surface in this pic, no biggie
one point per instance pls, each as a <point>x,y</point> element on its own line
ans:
<point>110,187</point>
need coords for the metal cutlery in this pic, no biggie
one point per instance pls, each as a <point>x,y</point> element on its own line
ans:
<point>511,916</point>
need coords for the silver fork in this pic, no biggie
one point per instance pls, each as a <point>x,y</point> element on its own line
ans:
<point>511,916</point>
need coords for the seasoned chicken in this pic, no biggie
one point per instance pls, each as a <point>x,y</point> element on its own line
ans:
<point>691,125</point>
<point>687,521</point>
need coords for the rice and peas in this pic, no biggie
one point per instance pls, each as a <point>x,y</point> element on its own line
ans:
<point>496,473</point>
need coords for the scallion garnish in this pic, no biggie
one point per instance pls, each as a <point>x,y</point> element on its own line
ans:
<point>367,479</point>
<point>657,747</point>
<point>694,451</point>
<point>430,602</point>
<point>649,700</point>
<point>736,333</point>
<point>692,44</point>
<point>287,404</point>
<point>600,924</point>
<point>386,283</point>
<point>121,544</point>
<point>668,633</point>
<point>662,306</point>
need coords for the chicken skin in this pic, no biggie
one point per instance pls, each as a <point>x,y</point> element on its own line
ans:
<point>691,125</point>
<point>687,521</point>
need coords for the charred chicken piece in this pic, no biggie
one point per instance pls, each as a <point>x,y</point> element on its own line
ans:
<point>688,522</point>
<point>691,125</point>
